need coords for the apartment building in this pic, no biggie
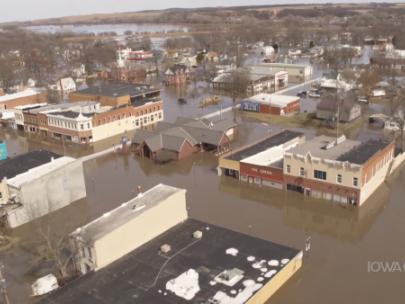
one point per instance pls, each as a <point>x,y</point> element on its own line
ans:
<point>340,170</point>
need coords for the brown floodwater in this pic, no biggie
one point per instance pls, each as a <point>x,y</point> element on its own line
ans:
<point>343,240</point>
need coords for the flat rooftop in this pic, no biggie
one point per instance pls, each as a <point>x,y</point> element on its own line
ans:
<point>316,147</point>
<point>26,93</point>
<point>362,153</point>
<point>25,162</point>
<point>118,90</point>
<point>124,213</point>
<point>71,114</point>
<point>275,100</point>
<point>273,141</point>
<point>189,273</point>
<point>287,65</point>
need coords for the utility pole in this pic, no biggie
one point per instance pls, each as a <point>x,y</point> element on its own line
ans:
<point>3,286</point>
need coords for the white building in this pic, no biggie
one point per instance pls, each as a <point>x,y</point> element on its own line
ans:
<point>37,183</point>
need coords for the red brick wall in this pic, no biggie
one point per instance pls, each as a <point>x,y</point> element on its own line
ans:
<point>264,172</point>
<point>186,151</point>
<point>373,162</point>
<point>263,108</point>
<point>321,186</point>
<point>290,108</point>
<point>119,113</point>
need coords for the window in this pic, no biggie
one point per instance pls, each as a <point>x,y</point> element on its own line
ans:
<point>288,168</point>
<point>339,178</point>
<point>81,126</point>
<point>302,171</point>
<point>320,174</point>
<point>355,181</point>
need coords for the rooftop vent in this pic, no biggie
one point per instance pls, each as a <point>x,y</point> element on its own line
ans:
<point>330,145</point>
<point>197,234</point>
<point>165,248</point>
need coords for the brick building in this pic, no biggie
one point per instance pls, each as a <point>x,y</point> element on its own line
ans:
<point>115,95</point>
<point>262,162</point>
<point>342,170</point>
<point>87,122</point>
<point>179,140</point>
<point>177,74</point>
<point>271,104</point>
<point>26,97</point>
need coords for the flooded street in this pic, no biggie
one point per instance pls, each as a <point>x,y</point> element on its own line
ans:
<point>343,240</point>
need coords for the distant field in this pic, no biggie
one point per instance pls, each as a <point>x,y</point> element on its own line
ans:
<point>171,15</point>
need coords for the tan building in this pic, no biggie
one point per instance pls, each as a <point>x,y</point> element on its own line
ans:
<point>26,97</point>
<point>190,262</point>
<point>128,227</point>
<point>344,171</point>
<point>87,121</point>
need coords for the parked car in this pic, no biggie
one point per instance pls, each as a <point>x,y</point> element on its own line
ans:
<point>314,94</point>
<point>362,99</point>
<point>392,126</point>
<point>378,93</point>
<point>182,101</point>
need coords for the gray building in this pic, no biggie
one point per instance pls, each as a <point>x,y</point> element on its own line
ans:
<point>37,183</point>
<point>327,109</point>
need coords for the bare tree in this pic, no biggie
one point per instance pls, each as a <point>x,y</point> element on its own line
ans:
<point>56,249</point>
<point>238,84</point>
<point>7,75</point>
<point>399,114</point>
<point>368,79</point>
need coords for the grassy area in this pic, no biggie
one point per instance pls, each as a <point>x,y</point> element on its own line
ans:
<point>308,120</point>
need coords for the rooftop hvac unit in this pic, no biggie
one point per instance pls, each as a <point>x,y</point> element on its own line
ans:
<point>165,248</point>
<point>197,234</point>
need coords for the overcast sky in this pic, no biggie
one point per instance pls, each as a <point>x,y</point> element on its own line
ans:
<point>19,10</point>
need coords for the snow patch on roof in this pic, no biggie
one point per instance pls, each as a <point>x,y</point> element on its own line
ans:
<point>232,251</point>
<point>186,285</point>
